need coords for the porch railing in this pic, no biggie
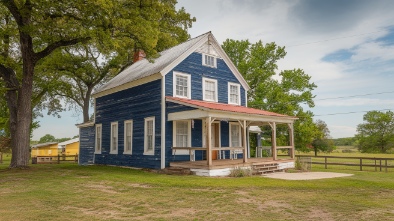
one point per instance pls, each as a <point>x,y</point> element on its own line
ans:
<point>233,150</point>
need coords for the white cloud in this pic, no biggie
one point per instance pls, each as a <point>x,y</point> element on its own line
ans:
<point>339,131</point>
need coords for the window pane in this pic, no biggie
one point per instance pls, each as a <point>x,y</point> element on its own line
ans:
<point>181,134</point>
<point>128,136</point>
<point>181,86</point>
<point>235,136</point>
<point>149,135</point>
<point>210,90</point>
<point>234,97</point>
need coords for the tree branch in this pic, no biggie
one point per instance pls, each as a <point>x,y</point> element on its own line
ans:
<point>50,48</point>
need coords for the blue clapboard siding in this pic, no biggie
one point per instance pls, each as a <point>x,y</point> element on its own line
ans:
<point>193,65</point>
<point>86,145</point>
<point>134,104</point>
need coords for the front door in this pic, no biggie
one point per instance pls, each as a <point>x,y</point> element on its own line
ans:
<point>215,137</point>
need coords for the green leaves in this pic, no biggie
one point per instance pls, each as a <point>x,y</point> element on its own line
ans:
<point>376,134</point>
<point>285,92</point>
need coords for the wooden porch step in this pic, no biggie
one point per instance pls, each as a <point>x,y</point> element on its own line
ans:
<point>176,171</point>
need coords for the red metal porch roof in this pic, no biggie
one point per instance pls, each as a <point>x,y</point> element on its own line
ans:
<point>223,107</point>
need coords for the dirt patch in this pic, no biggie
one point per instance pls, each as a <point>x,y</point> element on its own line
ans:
<point>101,187</point>
<point>306,175</point>
<point>318,214</point>
<point>139,185</point>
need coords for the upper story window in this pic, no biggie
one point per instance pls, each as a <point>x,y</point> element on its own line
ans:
<point>181,85</point>
<point>128,137</point>
<point>234,93</point>
<point>97,148</point>
<point>114,138</point>
<point>209,60</point>
<point>210,89</point>
<point>149,138</point>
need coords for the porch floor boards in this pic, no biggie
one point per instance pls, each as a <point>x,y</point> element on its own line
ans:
<point>227,163</point>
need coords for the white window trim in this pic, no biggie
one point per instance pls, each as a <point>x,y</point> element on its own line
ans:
<point>151,152</point>
<point>239,132</point>
<point>214,60</point>
<point>203,88</point>
<point>125,138</point>
<point>101,139</point>
<point>228,93</point>
<point>189,140</point>
<point>188,84</point>
<point>117,139</point>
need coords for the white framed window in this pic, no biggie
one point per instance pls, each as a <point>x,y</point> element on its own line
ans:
<point>149,136</point>
<point>181,85</point>
<point>209,60</point>
<point>210,89</point>
<point>234,93</point>
<point>97,148</point>
<point>128,137</point>
<point>235,135</point>
<point>114,138</point>
<point>181,136</point>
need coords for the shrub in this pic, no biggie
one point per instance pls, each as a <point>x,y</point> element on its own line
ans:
<point>240,172</point>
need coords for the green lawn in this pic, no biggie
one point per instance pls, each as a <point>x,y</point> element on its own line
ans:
<point>72,192</point>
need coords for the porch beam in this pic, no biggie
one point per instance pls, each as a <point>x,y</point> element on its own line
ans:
<point>244,141</point>
<point>208,141</point>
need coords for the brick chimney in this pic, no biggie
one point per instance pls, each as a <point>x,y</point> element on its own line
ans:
<point>138,55</point>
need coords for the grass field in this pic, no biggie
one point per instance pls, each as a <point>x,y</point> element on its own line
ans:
<point>72,192</point>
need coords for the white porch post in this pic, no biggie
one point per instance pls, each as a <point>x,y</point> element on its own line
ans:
<point>208,140</point>
<point>273,140</point>
<point>244,141</point>
<point>291,136</point>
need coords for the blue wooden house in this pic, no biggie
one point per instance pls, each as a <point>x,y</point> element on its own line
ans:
<point>187,108</point>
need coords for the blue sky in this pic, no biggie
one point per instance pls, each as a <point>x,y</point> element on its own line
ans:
<point>346,46</point>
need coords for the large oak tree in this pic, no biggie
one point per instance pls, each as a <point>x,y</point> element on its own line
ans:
<point>32,30</point>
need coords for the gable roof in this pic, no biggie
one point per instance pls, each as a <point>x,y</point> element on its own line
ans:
<point>205,105</point>
<point>67,142</point>
<point>167,60</point>
<point>44,144</point>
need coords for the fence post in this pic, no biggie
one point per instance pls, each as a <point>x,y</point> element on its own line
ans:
<point>386,165</point>
<point>361,164</point>
<point>375,165</point>
<point>380,162</point>
<point>58,158</point>
<point>325,162</point>
<point>1,157</point>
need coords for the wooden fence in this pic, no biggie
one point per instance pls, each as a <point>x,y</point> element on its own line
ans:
<point>378,163</point>
<point>54,159</point>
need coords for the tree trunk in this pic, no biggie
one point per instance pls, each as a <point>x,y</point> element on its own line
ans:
<point>86,104</point>
<point>21,140</point>
<point>315,151</point>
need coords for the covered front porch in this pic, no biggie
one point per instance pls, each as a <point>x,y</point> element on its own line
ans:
<point>238,152</point>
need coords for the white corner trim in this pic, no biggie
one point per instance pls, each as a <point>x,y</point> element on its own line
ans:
<point>204,79</point>
<point>163,123</point>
